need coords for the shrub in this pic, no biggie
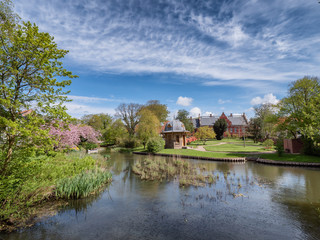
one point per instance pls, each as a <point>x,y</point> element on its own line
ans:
<point>268,144</point>
<point>89,145</point>
<point>129,142</point>
<point>280,147</point>
<point>155,144</point>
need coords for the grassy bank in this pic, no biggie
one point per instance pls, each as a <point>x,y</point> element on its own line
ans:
<point>37,180</point>
<point>237,148</point>
<point>291,158</point>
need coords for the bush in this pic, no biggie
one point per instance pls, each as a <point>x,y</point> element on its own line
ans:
<point>129,142</point>
<point>89,145</point>
<point>268,144</point>
<point>280,147</point>
<point>155,144</point>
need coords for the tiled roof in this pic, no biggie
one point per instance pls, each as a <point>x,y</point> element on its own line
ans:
<point>236,120</point>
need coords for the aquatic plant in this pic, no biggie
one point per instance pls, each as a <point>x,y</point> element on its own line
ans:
<point>82,184</point>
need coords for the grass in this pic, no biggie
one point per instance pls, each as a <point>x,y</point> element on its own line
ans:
<point>33,181</point>
<point>237,148</point>
<point>217,142</point>
<point>190,152</point>
<point>291,157</point>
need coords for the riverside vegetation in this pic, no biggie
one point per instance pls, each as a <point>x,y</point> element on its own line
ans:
<point>39,180</point>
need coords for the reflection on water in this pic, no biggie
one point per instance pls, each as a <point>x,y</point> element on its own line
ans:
<point>247,201</point>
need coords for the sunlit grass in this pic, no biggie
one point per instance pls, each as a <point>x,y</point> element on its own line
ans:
<point>291,157</point>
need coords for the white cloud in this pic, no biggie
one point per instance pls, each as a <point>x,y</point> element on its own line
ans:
<point>92,99</point>
<point>78,110</point>
<point>220,101</point>
<point>268,98</point>
<point>207,114</point>
<point>194,112</point>
<point>184,101</point>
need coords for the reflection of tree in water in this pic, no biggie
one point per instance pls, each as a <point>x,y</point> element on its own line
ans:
<point>301,198</point>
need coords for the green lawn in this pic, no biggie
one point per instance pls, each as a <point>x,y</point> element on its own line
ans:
<point>190,152</point>
<point>236,148</point>
<point>291,157</point>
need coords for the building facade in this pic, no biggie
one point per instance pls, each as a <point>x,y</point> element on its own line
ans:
<point>174,134</point>
<point>237,123</point>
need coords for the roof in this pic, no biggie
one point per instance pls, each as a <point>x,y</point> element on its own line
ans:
<point>174,126</point>
<point>235,119</point>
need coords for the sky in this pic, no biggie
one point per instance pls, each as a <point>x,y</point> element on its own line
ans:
<point>208,56</point>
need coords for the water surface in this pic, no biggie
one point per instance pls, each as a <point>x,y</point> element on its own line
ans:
<point>248,201</point>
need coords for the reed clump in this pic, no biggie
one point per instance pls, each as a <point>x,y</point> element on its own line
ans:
<point>83,184</point>
<point>185,172</point>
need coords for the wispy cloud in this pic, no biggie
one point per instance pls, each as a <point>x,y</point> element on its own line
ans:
<point>251,43</point>
<point>220,101</point>
<point>93,99</point>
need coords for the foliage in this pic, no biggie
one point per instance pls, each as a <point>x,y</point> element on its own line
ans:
<point>183,117</point>
<point>89,145</point>
<point>265,119</point>
<point>255,128</point>
<point>148,127</point>
<point>100,122</point>
<point>30,69</point>
<point>115,133</point>
<point>220,126</point>
<point>268,144</point>
<point>129,142</point>
<point>33,181</point>
<point>82,185</point>
<point>280,147</point>
<point>72,135</point>
<point>300,110</point>
<point>159,110</point>
<point>129,113</point>
<point>155,144</point>
<point>205,133</point>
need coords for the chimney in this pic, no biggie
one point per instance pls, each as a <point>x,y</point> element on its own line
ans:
<point>230,114</point>
<point>199,116</point>
<point>210,114</point>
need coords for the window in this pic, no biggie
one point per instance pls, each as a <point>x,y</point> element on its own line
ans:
<point>231,130</point>
<point>235,130</point>
<point>177,138</point>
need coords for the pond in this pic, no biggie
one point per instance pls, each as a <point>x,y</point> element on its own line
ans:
<point>247,201</point>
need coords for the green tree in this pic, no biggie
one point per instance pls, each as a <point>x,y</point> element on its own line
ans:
<point>159,110</point>
<point>100,122</point>
<point>115,133</point>
<point>148,127</point>
<point>30,67</point>
<point>183,116</point>
<point>205,133</point>
<point>300,109</point>
<point>266,115</point>
<point>254,128</point>
<point>129,113</point>
<point>220,126</point>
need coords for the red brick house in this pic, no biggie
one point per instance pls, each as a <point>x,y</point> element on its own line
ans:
<point>237,123</point>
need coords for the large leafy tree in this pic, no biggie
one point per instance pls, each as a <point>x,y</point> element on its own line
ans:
<point>159,110</point>
<point>115,133</point>
<point>129,113</point>
<point>205,133</point>
<point>300,110</point>
<point>100,122</point>
<point>148,127</point>
<point>183,116</point>
<point>265,117</point>
<point>31,76</point>
<point>220,126</point>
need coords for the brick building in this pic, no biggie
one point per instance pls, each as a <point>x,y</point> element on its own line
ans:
<point>237,123</point>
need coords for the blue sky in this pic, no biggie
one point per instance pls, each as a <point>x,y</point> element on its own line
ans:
<point>204,56</point>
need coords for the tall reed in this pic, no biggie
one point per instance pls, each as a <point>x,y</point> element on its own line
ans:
<point>83,184</point>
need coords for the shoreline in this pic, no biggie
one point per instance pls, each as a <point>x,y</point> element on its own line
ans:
<point>239,160</point>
